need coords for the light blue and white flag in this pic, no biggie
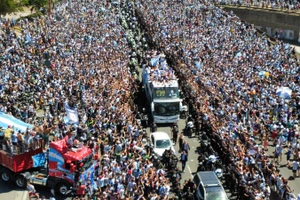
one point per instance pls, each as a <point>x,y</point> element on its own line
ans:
<point>28,37</point>
<point>9,120</point>
<point>72,115</point>
<point>154,61</point>
<point>39,160</point>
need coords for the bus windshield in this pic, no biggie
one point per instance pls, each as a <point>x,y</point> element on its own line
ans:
<point>166,108</point>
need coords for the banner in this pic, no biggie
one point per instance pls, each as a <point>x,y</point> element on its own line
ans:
<point>72,115</point>
<point>9,120</point>
<point>154,61</point>
<point>39,160</point>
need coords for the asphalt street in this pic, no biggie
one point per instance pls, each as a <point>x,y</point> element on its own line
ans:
<point>192,164</point>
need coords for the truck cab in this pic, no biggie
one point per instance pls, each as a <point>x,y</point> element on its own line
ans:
<point>66,164</point>
<point>61,167</point>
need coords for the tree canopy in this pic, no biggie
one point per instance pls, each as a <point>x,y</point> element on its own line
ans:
<point>7,7</point>
<point>37,4</point>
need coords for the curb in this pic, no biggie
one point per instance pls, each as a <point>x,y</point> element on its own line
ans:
<point>25,196</point>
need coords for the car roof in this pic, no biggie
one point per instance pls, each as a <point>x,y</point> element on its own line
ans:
<point>208,178</point>
<point>160,135</point>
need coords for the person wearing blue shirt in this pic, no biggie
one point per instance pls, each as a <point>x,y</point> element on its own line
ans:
<point>183,159</point>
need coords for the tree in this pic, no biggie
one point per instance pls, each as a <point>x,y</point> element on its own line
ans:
<point>7,7</point>
<point>37,4</point>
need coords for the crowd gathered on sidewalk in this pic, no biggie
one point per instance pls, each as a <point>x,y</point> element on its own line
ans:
<point>231,75</point>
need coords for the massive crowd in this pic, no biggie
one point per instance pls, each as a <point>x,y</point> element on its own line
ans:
<point>80,54</point>
<point>231,74</point>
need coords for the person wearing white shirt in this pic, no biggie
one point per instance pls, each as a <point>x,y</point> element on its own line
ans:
<point>32,191</point>
<point>100,182</point>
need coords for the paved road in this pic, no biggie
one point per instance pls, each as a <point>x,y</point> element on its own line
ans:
<point>9,191</point>
<point>192,164</point>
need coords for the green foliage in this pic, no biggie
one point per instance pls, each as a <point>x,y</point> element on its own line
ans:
<point>7,7</point>
<point>37,4</point>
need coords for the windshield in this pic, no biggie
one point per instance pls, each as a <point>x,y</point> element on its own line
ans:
<point>87,161</point>
<point>162,144</point>
<point>215,193</point>
<point>166,109</point>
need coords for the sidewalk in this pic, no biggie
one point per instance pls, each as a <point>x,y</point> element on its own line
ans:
<point>297,49</point>
<point>15,195</point>
<point>26,11</point>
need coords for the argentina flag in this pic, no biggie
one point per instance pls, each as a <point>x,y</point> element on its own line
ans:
<point>72,115</point>
<point>154,61</point>
<point>8,120</point>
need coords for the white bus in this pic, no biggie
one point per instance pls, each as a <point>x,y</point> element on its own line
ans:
<point>162,91</point>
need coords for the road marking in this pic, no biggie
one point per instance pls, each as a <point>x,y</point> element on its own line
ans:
<point>190,170</point>
<point>192,160</point>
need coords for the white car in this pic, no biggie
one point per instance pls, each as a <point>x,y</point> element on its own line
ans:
<point>160,141</point>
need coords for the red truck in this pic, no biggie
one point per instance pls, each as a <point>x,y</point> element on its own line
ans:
<point>60,167</point>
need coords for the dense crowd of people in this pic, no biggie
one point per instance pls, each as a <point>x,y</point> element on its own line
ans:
<point>231,75</point>
<point>80,55</point>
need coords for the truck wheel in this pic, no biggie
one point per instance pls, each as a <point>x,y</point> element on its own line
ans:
<point>62,189</point>
<point>20,181</point>
<point>5,176</point>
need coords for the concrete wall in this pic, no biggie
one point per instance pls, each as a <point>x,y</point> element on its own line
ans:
<point>286,24</point>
